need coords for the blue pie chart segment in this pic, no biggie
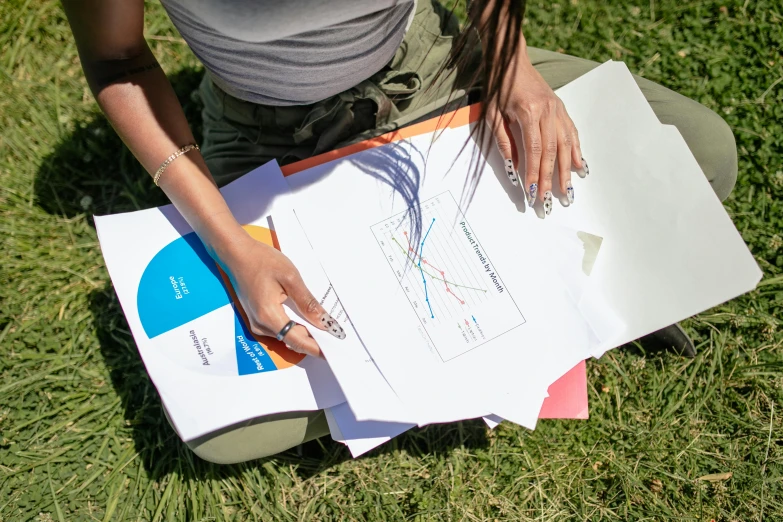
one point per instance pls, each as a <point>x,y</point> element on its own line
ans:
<point>180,284</point>
<point>251,355</point>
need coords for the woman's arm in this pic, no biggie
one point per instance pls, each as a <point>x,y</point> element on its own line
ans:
<point>139,102</point>
<point>519,95</point>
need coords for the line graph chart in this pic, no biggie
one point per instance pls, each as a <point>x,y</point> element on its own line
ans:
<point>451,285</point>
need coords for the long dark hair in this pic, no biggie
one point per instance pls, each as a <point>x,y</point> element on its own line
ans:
<point>497,26</point>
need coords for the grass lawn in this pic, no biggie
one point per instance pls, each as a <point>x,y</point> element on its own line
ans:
<point>82,432</point>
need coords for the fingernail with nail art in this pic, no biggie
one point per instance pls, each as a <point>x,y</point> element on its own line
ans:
<point>532,193</point>
<point>332,326</point>
<point>511,173</point>
<point>585,170</point>
<point>569,192</point>
<point>547,202</point>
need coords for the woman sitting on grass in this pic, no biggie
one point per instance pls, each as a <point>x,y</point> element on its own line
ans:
<point>288,80</point>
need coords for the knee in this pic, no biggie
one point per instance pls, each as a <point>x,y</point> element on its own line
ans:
<point>228,450</point>
<point>717,153</point>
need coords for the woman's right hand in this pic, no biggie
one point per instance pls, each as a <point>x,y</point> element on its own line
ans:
<point>264,279</point>
<point>138,100</point>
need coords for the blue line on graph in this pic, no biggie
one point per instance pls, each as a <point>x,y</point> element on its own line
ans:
<point>421,253</point>
<point>474,319</point>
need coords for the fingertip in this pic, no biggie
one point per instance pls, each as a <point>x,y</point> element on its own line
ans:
<point>548,202</point>
<point>544,186</point>
<point>579,165</point>
<point>534,188</point>
<point>585,167</point>
<point>511,172</point>
<point>565,182</point>
<point>300,341</point>
<point>329,324</point>
<point>532,194</point>
<point>305,351</point>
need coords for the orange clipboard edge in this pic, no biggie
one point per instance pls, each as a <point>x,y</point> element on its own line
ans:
<point>458,118</point>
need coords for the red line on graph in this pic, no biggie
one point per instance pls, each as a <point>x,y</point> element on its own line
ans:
<point>441,272</point>
<point>449,290</point>
<point>405,233</point>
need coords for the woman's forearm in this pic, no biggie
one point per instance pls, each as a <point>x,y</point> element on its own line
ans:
<point>138,100</point>
<point>493,16</point>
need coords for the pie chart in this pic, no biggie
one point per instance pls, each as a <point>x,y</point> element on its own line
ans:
<point>189,310</point>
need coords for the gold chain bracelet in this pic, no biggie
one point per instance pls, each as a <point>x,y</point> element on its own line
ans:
<point>170,159</point>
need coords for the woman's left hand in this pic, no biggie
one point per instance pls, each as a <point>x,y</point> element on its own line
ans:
<point>547,131</point>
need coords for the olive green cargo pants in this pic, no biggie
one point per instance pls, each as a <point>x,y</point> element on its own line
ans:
<point>239,136</point>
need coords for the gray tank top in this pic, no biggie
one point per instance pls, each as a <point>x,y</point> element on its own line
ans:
<point>291,52</point>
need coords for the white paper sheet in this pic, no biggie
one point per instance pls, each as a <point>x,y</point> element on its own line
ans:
<point>361,207</point>
<point>359,377</point>
<point>366,389</point>
<point>361,436</point>
<point>674,250</point>
<point>676,253</point>
<point>208,369</point>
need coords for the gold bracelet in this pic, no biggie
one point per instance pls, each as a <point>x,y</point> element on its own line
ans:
<point>170,159</point>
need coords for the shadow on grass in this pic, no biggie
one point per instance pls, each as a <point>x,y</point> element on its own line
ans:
<point>92,172</point>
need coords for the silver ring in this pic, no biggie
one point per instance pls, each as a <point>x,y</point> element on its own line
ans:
<point>287,328</point>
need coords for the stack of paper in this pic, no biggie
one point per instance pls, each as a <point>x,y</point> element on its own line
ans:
<point>455,309</point>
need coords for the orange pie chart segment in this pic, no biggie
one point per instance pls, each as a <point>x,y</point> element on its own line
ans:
<point>280,355</point>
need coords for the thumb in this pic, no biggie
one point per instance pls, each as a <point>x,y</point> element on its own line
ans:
<point>505,143</point>
<point>309,307</point>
